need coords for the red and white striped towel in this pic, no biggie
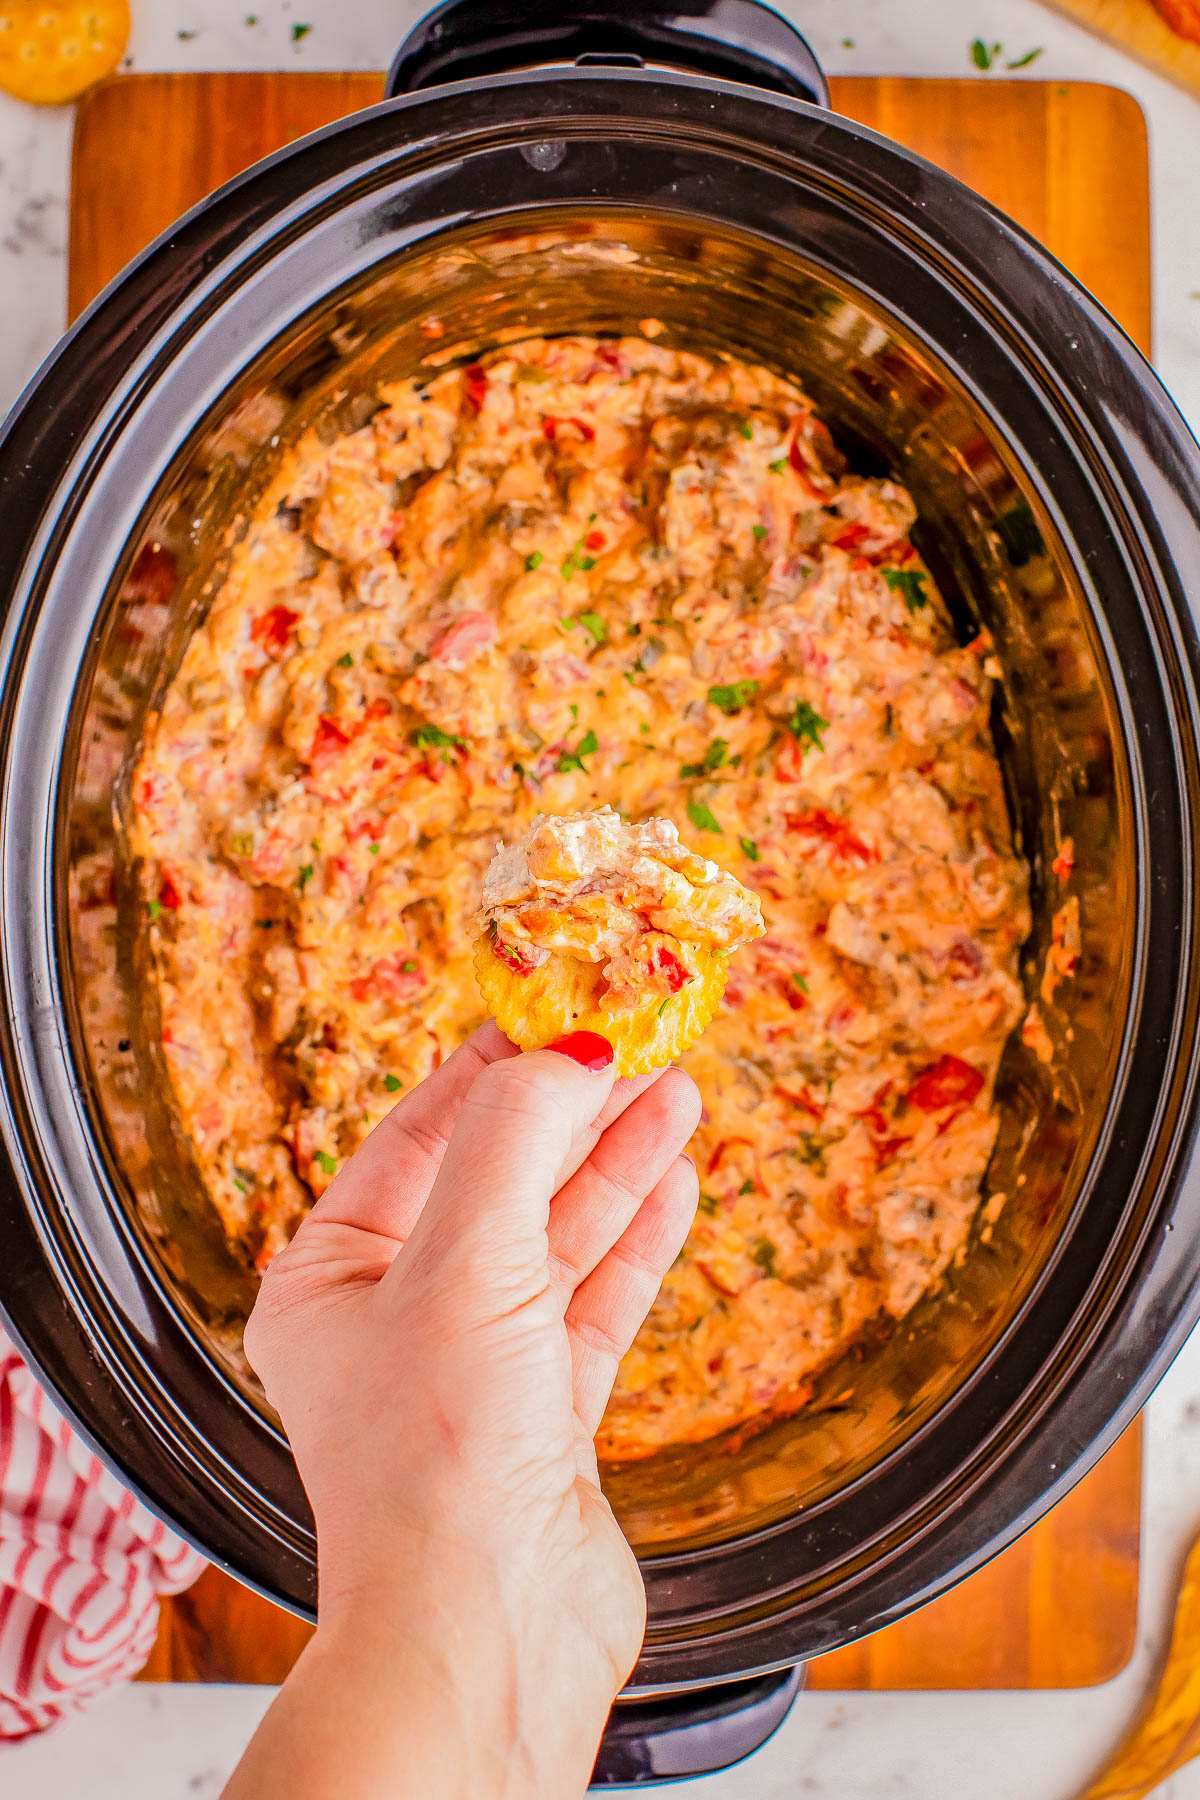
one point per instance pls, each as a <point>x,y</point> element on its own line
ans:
<point>82,1564</point>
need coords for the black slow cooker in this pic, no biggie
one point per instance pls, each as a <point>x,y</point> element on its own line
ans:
<point>583,174</point>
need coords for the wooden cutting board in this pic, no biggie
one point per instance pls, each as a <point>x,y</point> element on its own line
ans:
<point>1058,1609</point>
<point>1138,27</point>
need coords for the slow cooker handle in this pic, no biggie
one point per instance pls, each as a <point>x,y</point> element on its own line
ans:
<point>650,1742</point>
<point>734,40</point>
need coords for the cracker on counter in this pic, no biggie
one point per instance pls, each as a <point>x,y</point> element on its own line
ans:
<point>51,51</point>
<point>592,924</point>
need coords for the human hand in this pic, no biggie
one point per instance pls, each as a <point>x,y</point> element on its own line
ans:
<point>440,1340</point>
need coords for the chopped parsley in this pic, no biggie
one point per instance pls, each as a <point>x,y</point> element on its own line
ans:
<point>662,1009</point>
<point>715,757</point>
<point>300,31</point>
<point>702,817</point>
<point>778,465</point>
<point>910,585</point>
<point>746,429</point>
<point>372,849</point>
<point>154,908</point>
<point>534,560</point>
<point>710,1204</point>
<point>392,1083</point>
<point>747,1187</point>
<point>573,710</point>
<point>984,55</point>
<point>749,848</point>
<point>733,697</point>
<point>806,725</point>
<point>1023,62</point>
<point>575,559</point>
<point>406,968</point>
<point>800,982</point>
<point>427,737</point>
<point>327,1162</point>
<point>588,744</point>
<point>345,661</point>
<point>760,532</point>
<point>243,844</point>
<point>304,877</point>
<point>593,623</point>
<point>240,1186</point>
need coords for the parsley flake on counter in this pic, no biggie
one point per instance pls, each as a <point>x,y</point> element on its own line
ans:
<point>910,585</point>
<point>715,757</point>
<point>305,876</point>
<point>392,1083</point>
<point>429,737</point>
<point>588,744</point>
<point>806,725</point>
<point>749,849</point>
<point>984,55</point>
<point>327,1162</point>
<point>702,817</point>
<point>300,31</point>
<point>534,560</point>
<point>1023,62</point>
<point>733,697</point>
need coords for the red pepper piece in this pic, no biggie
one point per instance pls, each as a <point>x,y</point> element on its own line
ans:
<point>511,955</point>
<point>668,964</point>
<point>168,894</point>
<point>948,1082</point>
<point>272,629</point>
<point>817,823</point>
<point>475,385</point>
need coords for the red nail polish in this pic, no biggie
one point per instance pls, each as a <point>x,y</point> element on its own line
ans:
<point>591,1051</point>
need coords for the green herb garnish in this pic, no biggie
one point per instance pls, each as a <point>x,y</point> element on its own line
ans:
<point>746,429</point>
<point>909,584</point>
<point>372,849</point>
<point>702,817</point>
<point>800,982</point>
<point>392,1083</point>
<point>760,532</point>
<point>304,877</point>
<point>300,31</point>
<point>345,661</point>
<point>588,744</point>
<point>749,848</point>
<point>243,844</point>
<point>984,55</point>
<point>427,737</point>
<point>733,697</point>
<point>1023,62</point>
<point>764,1254</point>
<point>806,725</point>
<point>593,623</point>
<point>534,560</point>
<point>154,908</point>
<point>747,1187</point>
<point>406,968</point>
<point>778,466</point>
<point>327,1162</point>
<point>715,757</point>
<point>710,1204</point>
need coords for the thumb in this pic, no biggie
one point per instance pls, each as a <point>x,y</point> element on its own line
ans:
<point>520,1132</point>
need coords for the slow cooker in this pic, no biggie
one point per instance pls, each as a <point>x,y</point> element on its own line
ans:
<point>579,174</point>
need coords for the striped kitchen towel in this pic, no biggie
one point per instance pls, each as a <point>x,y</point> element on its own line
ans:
<point>82,1564</point>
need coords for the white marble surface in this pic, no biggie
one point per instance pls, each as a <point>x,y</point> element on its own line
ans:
<point>178,1743</point>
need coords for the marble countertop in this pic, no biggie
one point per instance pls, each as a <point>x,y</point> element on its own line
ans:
<point>178,1743</point>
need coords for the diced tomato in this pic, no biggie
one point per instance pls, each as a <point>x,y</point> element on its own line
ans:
<point>152,577</point>
<point>329,740</point>
<point>475,385</point>
<point>272,629</point>
<point>817,823</point>
<point>612,357</point>
<point>851,536</point>
<point>667,963</point>
<point>594,540</point>
<point>886,1148</point>
<point>948,1082</point>
<point>553,429</point>
<point>469,635</point>
<point>511,955</point>
<point>168,894</point>
<point>394,977</point>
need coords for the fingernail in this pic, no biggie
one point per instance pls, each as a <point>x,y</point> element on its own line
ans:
<point>591,1051</point>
